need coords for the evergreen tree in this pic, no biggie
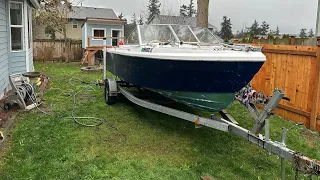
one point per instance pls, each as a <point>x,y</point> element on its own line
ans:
<point>311,33</point>
<point>226,29</point>
<point>303,33</point>
<point>153,8</point>
<point>277,32</point>
<point>183,10</point>
<point>254,29</point>
<point>264,28</point>
<point>134,20</point>
<point>141,20</point>
<point>241,34</point>
<point>191,9</point>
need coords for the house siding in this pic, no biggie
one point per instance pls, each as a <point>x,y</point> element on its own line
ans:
<point>4,67</point>
<point>17,62</point>
<point>17,59</point>
<point>72,33</point>
<point>108,28</point>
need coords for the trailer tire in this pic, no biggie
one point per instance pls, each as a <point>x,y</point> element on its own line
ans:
<point>110,100</point>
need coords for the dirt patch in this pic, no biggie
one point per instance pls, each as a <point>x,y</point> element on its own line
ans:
<point>3,117</point>
<point>310,136</point>
<point>91,69</point>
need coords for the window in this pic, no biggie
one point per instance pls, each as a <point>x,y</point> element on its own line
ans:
<point>99,32</point>
<point>16,26</point>
<point>75,24</point>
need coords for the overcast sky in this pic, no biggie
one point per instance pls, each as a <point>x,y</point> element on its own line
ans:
<point>289,15</point>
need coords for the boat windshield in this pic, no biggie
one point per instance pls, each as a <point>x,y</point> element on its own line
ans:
<point>146,34</point>
<point>205,36</point>
<point>156,33</point>
<point>184,33</point>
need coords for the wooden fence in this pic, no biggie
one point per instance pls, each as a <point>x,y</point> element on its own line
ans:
<point>53,50</point>
<point>295,70</point>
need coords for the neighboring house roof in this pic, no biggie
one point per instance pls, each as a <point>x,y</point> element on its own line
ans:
<point>79,12</point>
<point>164,19</point>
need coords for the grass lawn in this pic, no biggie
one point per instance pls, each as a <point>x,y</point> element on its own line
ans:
<point>134,143</point>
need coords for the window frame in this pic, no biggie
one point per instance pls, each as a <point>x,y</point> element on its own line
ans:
<point>73,24</point>
<point>17,26</point>
<point>104,29</point>
<point>30,40</point>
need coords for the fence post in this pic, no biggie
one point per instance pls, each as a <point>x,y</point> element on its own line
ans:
<point>293,41</point>
<point>316,94</point>
<point>68,50</point>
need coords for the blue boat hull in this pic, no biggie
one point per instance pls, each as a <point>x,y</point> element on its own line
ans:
<point>212,102</point>
<point>209,85</point>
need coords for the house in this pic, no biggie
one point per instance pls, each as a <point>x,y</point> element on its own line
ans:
<point>93,28</point>
<point>191,21</point>
<point>77,17</point>
<point>16,54</point>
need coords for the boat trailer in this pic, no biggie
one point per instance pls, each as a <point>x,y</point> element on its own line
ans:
<point>307,166</point>
<point>248,97</point>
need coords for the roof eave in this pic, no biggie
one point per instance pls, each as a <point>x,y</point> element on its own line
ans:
<point>35,3</point>
<point>104,19</point>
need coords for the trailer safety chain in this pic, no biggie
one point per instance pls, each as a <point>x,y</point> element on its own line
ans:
<point>306,165</point>
<point>296,162</point>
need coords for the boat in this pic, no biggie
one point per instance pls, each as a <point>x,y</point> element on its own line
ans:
<point>189,65</point>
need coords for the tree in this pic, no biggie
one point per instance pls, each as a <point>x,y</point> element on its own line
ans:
<point>183,10</point>
<point>141,20</point>
<point>54,15</point>
<point>226,29</point>
<point>241,34</point>
<point>303,33</point>
<point>254,29</point>
<point>134,20</point>
<point>153,8</point>
<point>277,32</point>
<point>264,28</point>
<point>191,10</point>
<point>121,16</point>
<point>202,13</point>
<point>311,33</point>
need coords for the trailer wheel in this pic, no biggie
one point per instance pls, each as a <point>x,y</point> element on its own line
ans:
<point>110,100</point>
